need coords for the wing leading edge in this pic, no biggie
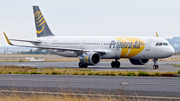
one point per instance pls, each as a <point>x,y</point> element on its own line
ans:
<point>102,52</point>
<point>41,47</point>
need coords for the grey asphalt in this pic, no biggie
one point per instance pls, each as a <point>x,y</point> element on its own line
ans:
<point>138,86</point>
<point>158,87</point>
<point>164,66</point>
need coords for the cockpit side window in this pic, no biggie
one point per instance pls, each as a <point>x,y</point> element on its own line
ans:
<point>157,44</point>
<point>165,44</point>
<point>161,44</point>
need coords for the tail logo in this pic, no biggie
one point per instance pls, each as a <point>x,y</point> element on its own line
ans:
<point>40,22</point>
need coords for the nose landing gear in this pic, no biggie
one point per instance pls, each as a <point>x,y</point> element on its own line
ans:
<point>155,66</point>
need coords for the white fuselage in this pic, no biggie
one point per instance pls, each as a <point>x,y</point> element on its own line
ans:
<point>115,47</point>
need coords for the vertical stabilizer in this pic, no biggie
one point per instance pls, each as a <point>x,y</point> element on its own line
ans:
<point>42,28</point>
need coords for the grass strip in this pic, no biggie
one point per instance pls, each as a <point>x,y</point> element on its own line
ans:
<point>176,65</point>
<point>76,71</point>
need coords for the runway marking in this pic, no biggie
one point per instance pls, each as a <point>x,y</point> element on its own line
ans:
<point>76,94</point>
<point>64,81</point>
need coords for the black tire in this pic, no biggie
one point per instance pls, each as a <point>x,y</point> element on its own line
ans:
<point>85,66</point>
<point>80,65</point>
<point>113,64</point>
<point>118,64</point>
<point>155,66</point>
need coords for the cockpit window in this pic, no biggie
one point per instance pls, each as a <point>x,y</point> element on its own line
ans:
<point>161,44</point>
<point>165,44</point>
<point>157,44</point>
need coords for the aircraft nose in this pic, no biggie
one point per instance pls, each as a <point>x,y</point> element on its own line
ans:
<point>171,51</point>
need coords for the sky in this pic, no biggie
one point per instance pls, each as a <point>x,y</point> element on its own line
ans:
<point>91,18</point>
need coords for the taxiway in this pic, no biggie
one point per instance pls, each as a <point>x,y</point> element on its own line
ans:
<point>164,66</point>
<point>145,87</point>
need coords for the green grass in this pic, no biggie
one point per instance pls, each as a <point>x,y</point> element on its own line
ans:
<point>176,65</point>
<point>120,74</point>
<point>34,72</point>
<point>131,74</point>
<point>142,73</point>
<point>77,71</point>
<point>56,73</point>
<point>157,74</point>
<point>97,74</point>
<point>178,72</point>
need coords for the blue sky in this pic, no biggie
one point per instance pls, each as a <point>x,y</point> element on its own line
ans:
<point>92,17</point>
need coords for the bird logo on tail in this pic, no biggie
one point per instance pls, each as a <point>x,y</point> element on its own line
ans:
<point>40,21</point>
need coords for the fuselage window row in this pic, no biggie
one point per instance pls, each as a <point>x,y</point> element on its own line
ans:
<point>66,43</point>
<point>84,43</point>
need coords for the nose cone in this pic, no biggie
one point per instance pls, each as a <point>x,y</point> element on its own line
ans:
<point>170,51</point>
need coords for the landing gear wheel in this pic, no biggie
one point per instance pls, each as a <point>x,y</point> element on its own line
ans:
<point>80,65</point>
<point>117,64</point>
<point>155,66</point>
<point>85,66</point>
<point>113,64</point>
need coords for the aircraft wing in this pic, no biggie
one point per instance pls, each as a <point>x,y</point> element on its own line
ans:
<point>32,41</point>
<point>101,52</point>
<point>41,47</point>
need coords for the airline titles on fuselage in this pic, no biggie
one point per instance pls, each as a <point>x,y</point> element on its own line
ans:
<point>126,45</point>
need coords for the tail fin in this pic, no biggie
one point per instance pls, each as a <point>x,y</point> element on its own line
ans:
<point>42,28</point>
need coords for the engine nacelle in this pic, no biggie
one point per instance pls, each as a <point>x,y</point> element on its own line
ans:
<point>90,58</point>
<point>138,61</point>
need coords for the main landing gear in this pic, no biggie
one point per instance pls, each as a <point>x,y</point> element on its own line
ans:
<point>155,66</point>
<point>82,66</point>
<point>115,64</point>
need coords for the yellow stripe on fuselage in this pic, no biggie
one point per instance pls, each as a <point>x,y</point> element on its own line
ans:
<point>132,44</point>
<point>123,44</point>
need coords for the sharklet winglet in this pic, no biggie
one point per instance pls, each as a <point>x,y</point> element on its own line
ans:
<point>7,39</point>
<point>157,34</point>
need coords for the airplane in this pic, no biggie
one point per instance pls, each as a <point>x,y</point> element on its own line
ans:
<point>91,49</point>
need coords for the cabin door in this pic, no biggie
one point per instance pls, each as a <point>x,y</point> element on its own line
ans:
<point>148,43</point>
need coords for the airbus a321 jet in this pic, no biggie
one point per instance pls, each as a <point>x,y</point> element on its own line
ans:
<point>91,49</point>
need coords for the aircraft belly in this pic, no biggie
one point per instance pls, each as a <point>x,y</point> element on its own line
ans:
<point>63,53</point>
<point>109,56</point>
<point>67,54</point>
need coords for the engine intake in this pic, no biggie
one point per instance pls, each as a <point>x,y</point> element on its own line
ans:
<point>138,61</point>
<point>90,58</point>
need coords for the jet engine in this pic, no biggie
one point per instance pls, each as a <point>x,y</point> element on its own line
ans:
<point>138,61</point>
<point>90,58</point>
